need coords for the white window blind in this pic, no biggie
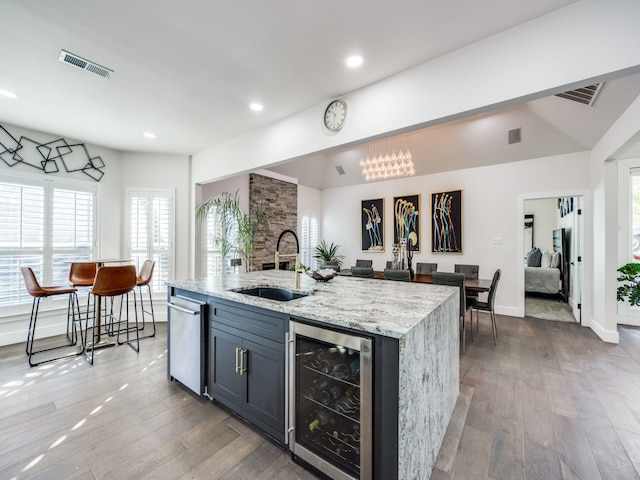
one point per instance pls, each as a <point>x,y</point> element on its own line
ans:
<point>45,224</point>
<point>309,240</point>
<point>151,232</point>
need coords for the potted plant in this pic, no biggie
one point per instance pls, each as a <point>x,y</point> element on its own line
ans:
<point>630,288</point>
<point>236,230</point>
<point>328,254</point>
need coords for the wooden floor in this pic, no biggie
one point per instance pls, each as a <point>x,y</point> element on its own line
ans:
<point>551,401</point>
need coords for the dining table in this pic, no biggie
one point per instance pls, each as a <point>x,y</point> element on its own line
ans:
<point>470,284</point>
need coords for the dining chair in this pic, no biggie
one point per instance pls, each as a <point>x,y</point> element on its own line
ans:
<point>39,292</point>
<point>456,280</point>
<point>364,263</point>
<point>470,271</point>
<point>331,265</point>
<point>362,272</point>
<point>389,264</point>
<point>144,280</point>
<point>397,275</point>
<point>488,306</point>
<point>112,282</point>
<point>426,268</point>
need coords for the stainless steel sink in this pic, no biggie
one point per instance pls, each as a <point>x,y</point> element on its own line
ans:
<point>272,293</point>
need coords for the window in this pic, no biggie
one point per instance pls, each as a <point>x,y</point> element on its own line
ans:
<point>151,232</point>
<point>635,214</point>
<point>214,260</point>
<point>45,225</point>
<point>309,240</point>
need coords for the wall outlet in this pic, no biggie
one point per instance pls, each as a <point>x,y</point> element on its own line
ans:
<point>497,241</point>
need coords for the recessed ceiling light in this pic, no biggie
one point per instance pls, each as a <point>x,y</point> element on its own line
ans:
<point>7,94</point>
<point>256,107</point>
<point>149,135</point>
<point>354,61</point>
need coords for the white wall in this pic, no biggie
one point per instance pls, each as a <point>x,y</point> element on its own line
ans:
<point>490,197</point>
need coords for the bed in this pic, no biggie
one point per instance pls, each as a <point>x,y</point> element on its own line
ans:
<point>551,278</point>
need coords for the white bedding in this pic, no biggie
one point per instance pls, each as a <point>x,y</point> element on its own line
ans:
<point>542,280</point>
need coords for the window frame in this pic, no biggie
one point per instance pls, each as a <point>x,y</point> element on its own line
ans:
<point>152,193</point>
<point>47,251</point>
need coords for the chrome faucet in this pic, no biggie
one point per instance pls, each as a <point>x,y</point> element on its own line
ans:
<point>296,255</point>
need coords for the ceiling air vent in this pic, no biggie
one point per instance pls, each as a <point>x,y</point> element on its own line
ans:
<point>585,95</point>
<point>340,170</point>
<point>515,136</point>
<point>84,64</point>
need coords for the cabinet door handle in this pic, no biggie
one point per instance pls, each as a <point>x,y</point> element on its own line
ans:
<point>242,367</point>
<point>237,363</point>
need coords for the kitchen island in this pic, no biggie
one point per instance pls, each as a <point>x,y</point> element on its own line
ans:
<point>419,321</point>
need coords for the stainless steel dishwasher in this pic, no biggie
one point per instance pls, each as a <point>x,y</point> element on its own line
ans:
<point>186,342</point>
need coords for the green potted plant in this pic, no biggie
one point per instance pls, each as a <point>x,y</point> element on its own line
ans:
<point>630,288</point>
<point>237,230</point>
<point>328,254</point>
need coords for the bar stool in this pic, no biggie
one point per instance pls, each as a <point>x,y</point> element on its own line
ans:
<point>81,275</point>
<point>38,292</point>
<point>111,282</point>
<point>144,279</point>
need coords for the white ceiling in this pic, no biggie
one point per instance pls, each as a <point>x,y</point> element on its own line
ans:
<point>549,126</point>
<point>187,70</point>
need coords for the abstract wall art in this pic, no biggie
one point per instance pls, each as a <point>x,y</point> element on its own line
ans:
<point>406,225</point>
<point>446,222</point>
<point>372,221</point>
<point>45,156</point>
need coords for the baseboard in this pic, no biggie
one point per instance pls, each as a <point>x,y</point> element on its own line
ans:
<point>609,336</point>
<point>508,311</point>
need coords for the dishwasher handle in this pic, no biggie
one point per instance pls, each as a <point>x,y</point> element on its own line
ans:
<point>182,309</point>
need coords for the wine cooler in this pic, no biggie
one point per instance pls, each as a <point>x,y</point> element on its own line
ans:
<point>330,401</point>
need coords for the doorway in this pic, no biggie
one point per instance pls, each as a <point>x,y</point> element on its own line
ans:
<point>552,246</point>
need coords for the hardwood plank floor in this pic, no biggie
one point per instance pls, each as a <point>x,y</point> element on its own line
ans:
<point>550,401</point>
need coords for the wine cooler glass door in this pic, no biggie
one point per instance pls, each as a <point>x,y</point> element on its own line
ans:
<point>331,401</point>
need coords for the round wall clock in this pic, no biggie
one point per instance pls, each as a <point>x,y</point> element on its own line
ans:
<point>335,115</point>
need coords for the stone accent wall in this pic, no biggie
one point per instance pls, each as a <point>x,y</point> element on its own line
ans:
<point>279,200</point>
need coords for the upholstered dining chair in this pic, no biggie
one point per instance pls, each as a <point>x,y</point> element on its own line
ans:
<point>426,268</point>
<point>362,272</point>
<point>488,306</point>
<point>364,263</point>
<point>397,275</point>
<point>39,292</point>
<point>456,280</point>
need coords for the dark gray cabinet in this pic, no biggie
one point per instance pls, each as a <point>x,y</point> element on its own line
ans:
<point>247,363</point>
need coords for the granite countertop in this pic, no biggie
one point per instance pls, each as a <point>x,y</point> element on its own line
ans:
<point>375,306</point>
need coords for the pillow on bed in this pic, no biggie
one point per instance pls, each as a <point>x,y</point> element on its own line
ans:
<point>555,260</point>
<point>545,261</point>
<point>534,257</point>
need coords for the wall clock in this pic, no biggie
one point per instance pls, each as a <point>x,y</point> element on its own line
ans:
<point>335,115</point>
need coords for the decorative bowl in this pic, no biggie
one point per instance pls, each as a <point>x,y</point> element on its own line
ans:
<point>323,275</point>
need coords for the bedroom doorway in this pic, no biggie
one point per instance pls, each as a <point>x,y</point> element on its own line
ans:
<point>553,258</point>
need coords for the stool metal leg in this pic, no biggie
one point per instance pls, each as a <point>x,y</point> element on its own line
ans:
<point>129,329</point>
<point>71,340</point>
<point>147,312</point>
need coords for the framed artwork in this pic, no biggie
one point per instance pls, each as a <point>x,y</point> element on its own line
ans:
<point>405,223</point>
<point>446,226</point>
<point>372,222</point>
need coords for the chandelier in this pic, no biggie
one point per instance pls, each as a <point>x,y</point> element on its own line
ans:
<point>383,167</point>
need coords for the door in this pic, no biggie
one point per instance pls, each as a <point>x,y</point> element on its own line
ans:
<point>225,381</point>
<point>264,388</point>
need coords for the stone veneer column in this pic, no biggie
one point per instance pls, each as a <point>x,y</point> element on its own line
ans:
<point>279,200</point>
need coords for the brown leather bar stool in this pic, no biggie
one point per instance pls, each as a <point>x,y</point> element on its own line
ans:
<point>38,293</point>
<point>111,282</point>
<point>144,279</point>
